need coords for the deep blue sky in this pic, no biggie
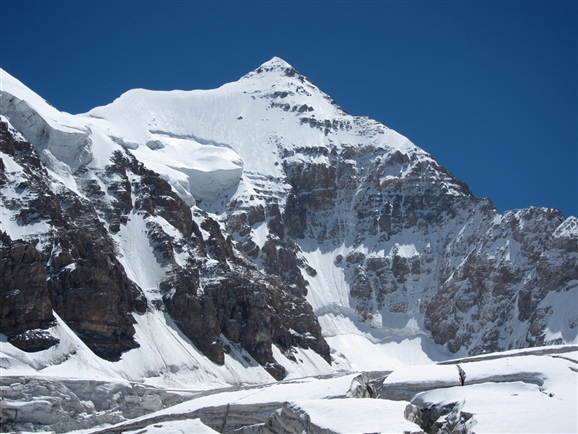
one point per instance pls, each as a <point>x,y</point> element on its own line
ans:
<point>488,88</point>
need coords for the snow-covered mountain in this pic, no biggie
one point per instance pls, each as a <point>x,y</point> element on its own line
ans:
<point>253,233</point>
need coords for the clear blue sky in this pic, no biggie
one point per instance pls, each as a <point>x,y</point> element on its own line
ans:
<point>488,88</point>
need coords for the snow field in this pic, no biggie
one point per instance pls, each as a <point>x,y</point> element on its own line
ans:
<point>506,397</point>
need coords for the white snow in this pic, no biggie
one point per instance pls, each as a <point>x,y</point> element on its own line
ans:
<point>364,355</point>
<point>308,363</point>
<point>358,415</point>
<point>187,426</point>
<point>519,405</point>
<point>404,250</point>
<point>567,229</point>
<point>541,399</point>
<point>57,361</point>
<point>379,346</point>
<point>260,233</point>
<point>562,306</point>
<point>167,358</point>
<point>210,168</point>
<point>137,255</point>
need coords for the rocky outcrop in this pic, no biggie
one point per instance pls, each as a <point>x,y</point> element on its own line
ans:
<point>26,302</point>
<point>482,274</point>
<point>440,418</point>
<point>517,261</point>
<point>249,309</point>
<point>361,387</point>
<point>25,299</point>
<point>93,295</point>
<point>73,268</point>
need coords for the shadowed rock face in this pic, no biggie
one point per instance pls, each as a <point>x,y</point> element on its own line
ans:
<point>241,304</point>
<point>92,292</point>
<point>73,268</point>
<point>25,299</point>
<point>26,302</point>
<point>496,290</point>
<point>481,273</point>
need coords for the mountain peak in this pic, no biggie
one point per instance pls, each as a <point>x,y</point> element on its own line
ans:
<point>276,64</point>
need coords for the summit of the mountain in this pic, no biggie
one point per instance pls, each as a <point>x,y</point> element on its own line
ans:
<point>275,69</point>
<point>275,63</point>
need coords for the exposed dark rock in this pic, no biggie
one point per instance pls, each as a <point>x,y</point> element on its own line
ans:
<point>218,247</point>
<point>361,387</point>
<point>495,289</point>
<point>25,300</point>
<point>76,273</point>
<point>350,198</point>
<point>440,419</point>
<point>313,185</point>
<point>238,302</point>
<point>92,292</point>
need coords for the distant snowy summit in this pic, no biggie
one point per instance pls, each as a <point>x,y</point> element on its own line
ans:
<point>257,232</point>
<point>276,64</point>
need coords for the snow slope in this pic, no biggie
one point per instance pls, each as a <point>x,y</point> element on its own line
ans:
<point>522,391</point>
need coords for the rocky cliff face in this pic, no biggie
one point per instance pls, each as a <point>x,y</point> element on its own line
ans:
<point>73,267</point>
<point>69,262</point>
<point>314,219</point>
